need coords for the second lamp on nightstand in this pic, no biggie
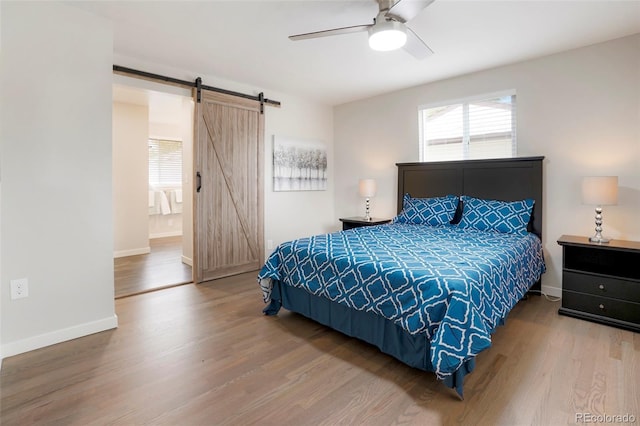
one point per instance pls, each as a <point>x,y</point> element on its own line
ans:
<point>367,189</point>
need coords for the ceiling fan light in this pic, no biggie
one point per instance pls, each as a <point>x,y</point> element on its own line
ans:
<point>387,35</point>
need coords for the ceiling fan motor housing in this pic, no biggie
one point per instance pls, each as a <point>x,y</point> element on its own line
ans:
<point>386,34</point>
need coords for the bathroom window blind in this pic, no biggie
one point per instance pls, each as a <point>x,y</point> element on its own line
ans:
<point>165,163</point>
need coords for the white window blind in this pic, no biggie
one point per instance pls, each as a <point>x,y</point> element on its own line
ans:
<point>165,163</point>
<point>470,129</point>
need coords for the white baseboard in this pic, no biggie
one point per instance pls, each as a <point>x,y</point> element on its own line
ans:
<point>58,336</point>
<point>131,252</point>
<point>187,261</point>
<point>552,291</point>
<point>165,234</point>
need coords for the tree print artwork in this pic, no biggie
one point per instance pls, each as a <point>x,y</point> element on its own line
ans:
<point>299,165</point>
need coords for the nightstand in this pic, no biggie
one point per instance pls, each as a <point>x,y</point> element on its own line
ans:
<point>358,221</point>
<point>601,282</point>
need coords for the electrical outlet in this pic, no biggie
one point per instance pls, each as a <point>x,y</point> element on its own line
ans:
<point>19,288</point>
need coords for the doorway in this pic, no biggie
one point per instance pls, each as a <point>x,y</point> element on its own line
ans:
<point>152,166</point>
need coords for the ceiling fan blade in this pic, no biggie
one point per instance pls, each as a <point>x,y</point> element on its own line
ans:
<point>406,10</point>
<point>326,33</point>
<point>415,46</point>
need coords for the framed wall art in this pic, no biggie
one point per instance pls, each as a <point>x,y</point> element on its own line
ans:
<point>299,165</point>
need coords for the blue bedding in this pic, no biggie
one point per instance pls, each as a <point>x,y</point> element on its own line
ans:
<point>452,285</point>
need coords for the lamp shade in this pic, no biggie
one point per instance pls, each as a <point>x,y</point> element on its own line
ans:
<point>387,35</point>
<point>367,188</point>
<point>600,190</point>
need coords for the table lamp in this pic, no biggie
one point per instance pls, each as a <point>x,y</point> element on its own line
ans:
<point>367,189</point>
<point>599,191</point>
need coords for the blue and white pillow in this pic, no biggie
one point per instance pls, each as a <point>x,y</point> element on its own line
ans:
<point>509,217</point>
<point>427,211</point>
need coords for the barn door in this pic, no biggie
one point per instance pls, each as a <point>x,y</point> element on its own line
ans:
<point>228,214</point>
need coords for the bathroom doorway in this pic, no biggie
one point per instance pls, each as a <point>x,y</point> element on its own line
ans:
<point>152,166</point>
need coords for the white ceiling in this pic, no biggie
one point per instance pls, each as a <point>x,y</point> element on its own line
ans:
<point>246,41</point>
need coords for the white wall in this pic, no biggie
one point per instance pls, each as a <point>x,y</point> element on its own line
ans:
<point>296,214</point>
<point>580,109</point>
<point>130,179</point>
<point>55,165</point>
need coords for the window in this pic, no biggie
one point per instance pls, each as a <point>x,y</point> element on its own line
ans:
<point>165,163</point>
<point>476,128</point>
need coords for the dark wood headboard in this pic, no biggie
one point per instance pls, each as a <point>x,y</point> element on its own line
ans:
<point>508,179</point>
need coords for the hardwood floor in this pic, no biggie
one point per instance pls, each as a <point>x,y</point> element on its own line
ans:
<point>205,355</point>
<point>161,268</point>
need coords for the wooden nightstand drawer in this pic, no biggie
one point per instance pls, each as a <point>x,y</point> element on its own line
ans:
<point>601,285</point>
<point>602,306</point>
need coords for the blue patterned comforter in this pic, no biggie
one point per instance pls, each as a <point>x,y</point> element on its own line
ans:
<point>454,285</point>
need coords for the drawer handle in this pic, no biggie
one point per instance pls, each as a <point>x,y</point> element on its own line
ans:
<point>601,306</point>
<point>601,286</point>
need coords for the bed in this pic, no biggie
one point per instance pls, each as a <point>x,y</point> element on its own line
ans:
<point>431,287</point>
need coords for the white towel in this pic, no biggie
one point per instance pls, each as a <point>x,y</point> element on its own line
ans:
<point>164,203</point>
<point>178,195</point>
<point>176,207</point>
<point>152,198</point>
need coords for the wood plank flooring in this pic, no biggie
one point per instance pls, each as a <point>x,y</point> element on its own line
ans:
<point>205,355</point>
<point>161,268</point>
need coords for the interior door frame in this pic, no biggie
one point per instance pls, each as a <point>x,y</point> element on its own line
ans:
<point>130,81</point>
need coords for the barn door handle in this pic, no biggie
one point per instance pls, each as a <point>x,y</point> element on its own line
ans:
<point>198,181</point>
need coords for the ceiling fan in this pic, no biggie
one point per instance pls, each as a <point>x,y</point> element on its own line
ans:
<point>388,31</point>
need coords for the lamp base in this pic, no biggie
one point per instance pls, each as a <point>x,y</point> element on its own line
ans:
<point>367,217</point>
<point>599,239</point>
